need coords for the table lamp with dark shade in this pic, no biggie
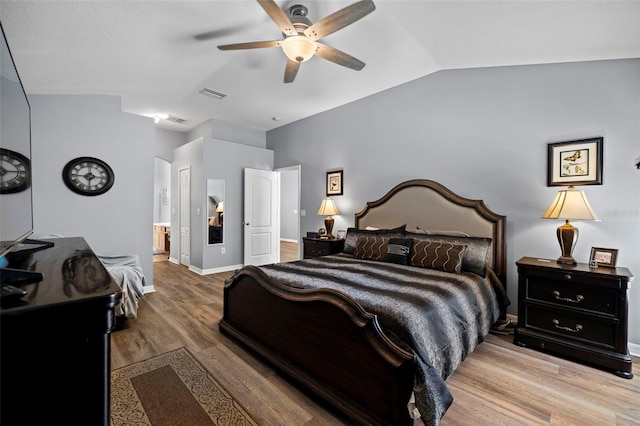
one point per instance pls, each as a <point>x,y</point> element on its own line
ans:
<point>569,204</point>
<point>328,208</point>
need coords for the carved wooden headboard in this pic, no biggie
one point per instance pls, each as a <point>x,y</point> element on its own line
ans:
<point>428,205</point>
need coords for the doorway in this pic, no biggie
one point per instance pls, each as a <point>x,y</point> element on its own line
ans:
<point>290,247</point>
<point>271,215</point>
<point>184,216</point>
<point>161,208</point>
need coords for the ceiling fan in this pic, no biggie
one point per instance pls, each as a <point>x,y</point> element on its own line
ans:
<point>301,35</point>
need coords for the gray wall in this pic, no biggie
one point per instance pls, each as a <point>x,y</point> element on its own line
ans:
<point>69,126</point>
<point>167,141</point>
<point>211,158</point>
<point>231,132</point>
<point>483,133</point>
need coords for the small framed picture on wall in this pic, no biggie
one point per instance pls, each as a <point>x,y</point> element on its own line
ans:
<point>575,162</point>
<point>334,183</point>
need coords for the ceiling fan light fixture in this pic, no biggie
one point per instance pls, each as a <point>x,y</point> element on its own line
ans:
<point>298,48</point>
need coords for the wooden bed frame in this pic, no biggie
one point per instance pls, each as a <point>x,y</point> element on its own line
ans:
<point>324,339</point>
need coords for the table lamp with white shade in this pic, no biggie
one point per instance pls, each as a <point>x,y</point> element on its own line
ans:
<point>569,204</point>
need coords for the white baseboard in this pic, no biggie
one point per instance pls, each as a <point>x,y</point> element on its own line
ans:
<point>148,289</point>
<point>215,270</point>
<point>288,240</point>
<point>174,260</point>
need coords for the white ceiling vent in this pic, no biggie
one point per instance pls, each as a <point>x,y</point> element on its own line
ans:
<point>176,119</point>
<point>213,93</point>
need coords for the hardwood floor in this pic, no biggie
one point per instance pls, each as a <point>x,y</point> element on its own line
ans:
<point>288,251</point>
<point>498,384</point>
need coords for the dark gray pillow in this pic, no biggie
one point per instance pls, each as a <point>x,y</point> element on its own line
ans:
<point>476,254</point>
<point>351,239</point>
<point>398,251</point>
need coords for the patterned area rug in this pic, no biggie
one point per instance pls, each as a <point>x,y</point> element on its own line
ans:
<point>171,389</point>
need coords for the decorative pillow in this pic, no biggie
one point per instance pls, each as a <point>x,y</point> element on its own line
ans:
<point>371,248</point>
<point>352,236</point>
<point>433,255</point>
<point>476,253</point>
<point>398,250</point>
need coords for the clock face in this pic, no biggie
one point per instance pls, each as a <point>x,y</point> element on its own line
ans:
<point>15,172</point>
<point>88,176</point>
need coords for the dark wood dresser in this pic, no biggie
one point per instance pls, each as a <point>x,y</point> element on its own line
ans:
<point>316,247</point>
<point>55,353</point>
<point>575,311</point>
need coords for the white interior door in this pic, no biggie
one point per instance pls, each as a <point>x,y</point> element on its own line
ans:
<point>184,177</point>
<point>261,217</point>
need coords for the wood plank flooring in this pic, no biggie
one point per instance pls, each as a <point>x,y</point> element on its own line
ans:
<point>498,384</point>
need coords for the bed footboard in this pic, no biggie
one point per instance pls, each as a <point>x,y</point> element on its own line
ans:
<point>324,340</point>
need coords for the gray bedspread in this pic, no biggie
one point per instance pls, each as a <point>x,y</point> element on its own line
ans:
<point>442,316</point>
<point>127,273</point>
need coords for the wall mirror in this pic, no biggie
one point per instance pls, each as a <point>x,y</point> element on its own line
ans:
<point>215,209</point>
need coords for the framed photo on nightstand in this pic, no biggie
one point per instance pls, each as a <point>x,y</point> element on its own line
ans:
<point>603,257</point>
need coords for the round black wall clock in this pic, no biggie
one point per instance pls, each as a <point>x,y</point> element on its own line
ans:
<point>88,176</point>
<point>15,172</point>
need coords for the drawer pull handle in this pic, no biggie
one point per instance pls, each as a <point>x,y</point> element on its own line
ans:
<point>578,328</point>
<point>567,276</point>
<point>579,298</point>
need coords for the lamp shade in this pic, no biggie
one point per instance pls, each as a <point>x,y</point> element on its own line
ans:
<point>220,207</point>
<point>328,208</point>
<point>570,204</point>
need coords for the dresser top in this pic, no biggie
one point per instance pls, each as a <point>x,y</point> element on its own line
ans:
<point>620,272</point>
<point>72,274</point>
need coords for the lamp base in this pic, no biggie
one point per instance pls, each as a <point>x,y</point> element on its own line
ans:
<point>328,224</point>
<point>567,237</point>
<point>566,260</point>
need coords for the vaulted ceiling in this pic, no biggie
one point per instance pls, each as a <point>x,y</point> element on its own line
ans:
<point>158,55</point>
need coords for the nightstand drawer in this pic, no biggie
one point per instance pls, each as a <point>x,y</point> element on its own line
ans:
<point>315,250</point>
<point>595,331</point>
<point>316,247</point>
<point>568,275</point>
<point>579,296</point>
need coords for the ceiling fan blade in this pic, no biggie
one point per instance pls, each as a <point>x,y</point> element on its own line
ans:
<point>250,45</point>
<point>338,56</point>
<point>278,16</point>
<point>291,70</point>
<point>339,19</point>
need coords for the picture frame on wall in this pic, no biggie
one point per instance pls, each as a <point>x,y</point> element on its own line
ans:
<point>603,257</point>
<point>334,183</point>
<point>575,163</point>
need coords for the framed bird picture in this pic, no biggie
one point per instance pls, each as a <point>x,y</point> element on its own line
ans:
<point>575,162</point>
<point>334,183</point>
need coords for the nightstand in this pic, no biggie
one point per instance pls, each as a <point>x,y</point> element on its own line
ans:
<point>316,247</point>
<point>575,311</point>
